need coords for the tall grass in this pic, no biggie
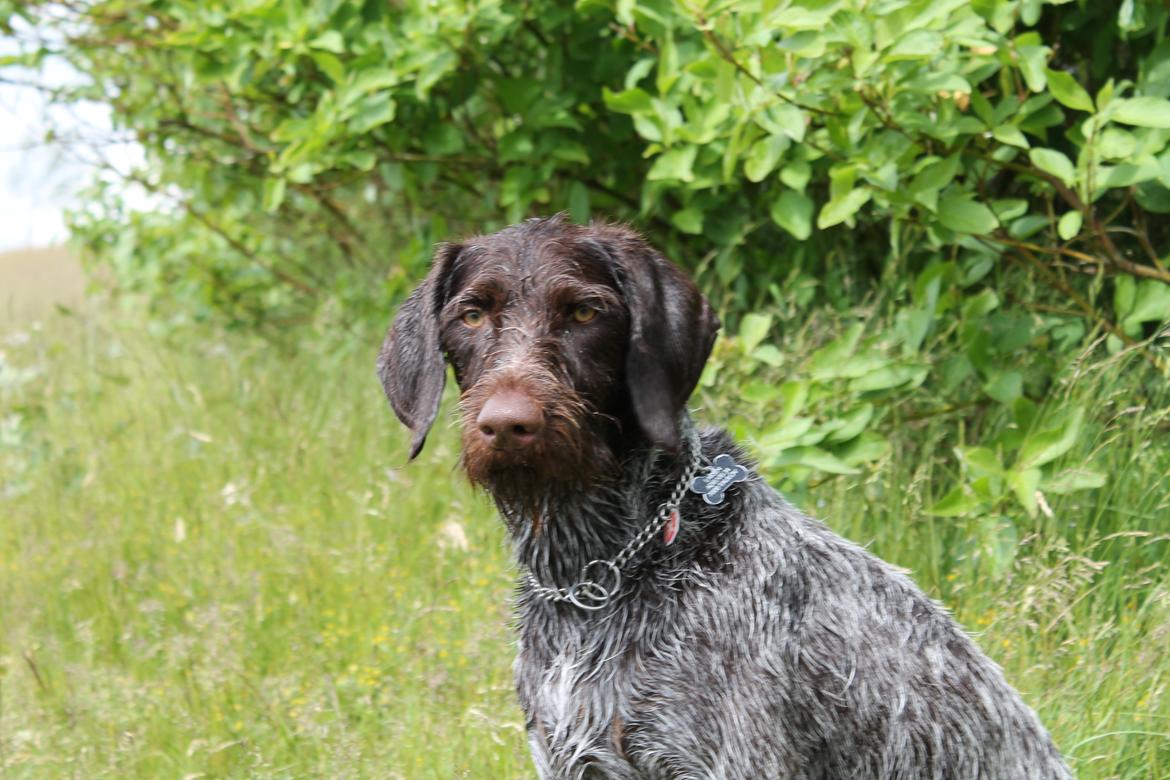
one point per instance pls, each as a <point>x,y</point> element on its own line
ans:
<point>215,564</point>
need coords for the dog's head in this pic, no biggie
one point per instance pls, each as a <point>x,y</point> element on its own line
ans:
<point>568,343</point>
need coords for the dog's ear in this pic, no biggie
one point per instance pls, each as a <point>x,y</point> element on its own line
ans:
<point>672,330</point>
<point>411,364</point>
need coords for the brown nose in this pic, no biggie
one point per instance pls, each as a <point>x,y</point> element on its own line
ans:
<point>510,420</point>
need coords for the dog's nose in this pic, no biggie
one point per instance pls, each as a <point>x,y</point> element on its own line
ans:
<point>510,420</point>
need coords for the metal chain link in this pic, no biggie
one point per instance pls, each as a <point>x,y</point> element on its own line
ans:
<point>588,593</point>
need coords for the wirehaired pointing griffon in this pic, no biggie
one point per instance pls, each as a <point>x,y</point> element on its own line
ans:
<point>677,617</point>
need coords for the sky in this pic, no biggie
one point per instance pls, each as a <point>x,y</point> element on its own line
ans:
<point>38,181</point>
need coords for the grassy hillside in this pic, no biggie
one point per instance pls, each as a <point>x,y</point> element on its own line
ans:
<point>215,564</point>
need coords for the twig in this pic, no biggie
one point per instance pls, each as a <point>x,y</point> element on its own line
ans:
<point>628,34</point>
<point>1143,239</point>
<point>36,672</point>
<point>1090,313</point>
<point>1128,266</point>
<point>721,48</point>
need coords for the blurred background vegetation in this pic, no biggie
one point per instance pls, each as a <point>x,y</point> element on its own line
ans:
<point>935,229</point>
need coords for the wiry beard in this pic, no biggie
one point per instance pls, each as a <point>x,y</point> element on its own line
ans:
<point>570,455</point>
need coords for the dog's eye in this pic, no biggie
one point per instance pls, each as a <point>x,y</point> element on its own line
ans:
<point>584,313</point>
<point>473,318</point>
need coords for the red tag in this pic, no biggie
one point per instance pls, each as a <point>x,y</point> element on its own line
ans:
<point>670,530</point>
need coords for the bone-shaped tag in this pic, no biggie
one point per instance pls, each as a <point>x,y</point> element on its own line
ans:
<point>724,473</point>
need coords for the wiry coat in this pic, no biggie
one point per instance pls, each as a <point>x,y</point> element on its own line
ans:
<point>758,644</point>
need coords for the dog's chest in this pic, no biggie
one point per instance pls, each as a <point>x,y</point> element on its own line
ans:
<point>598,695</point>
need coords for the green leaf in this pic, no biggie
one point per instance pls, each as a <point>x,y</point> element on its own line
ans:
<point>763,157</point>
<point>1005,386</point>
<point>981,460</point>
<point>330,40</point>
<point>375,79</point>
<point>1116,144</point>
<point>954,504</point>
<point>435,67</point>
<point>843,207</point>
<point>814,458</point>
<point>783,436</point>
<point>1070,225</point>
<point>1067,91</point>
<point>981,304</point>
<point>796,175</point>
<point>769,354</point>
<point>1048,445</point>
<point>753,329</point>
<point>674,164</point>
<point>852,424</point>
<point>1055,163</point>
<point>887,377</point>
<point>935,174</point>
<point>1151,304</point>
<point>639,70</point>
<point>1010,135</point>
<point>866,448</point>
<point>963,214</point>
<point>758,392</point>
<point>793,396</point>
<point>826,362</point>
<point>1124,294</point>
<point>1072,480</point>
<point>787,119</point>
<point>1028,226</point>
<point>330,65</point>
<point>1024,483</point>
<point>1032,60</point>
<point>362,159</point>
<point>793,212</point>
<point>1142,112</point>
<point>447,138</point>
<point>374,111</point>
<point>630,101</point>
<point>933,82</point>
<point>688,220</point>
<point>273,193</point>
<point>916,44</point>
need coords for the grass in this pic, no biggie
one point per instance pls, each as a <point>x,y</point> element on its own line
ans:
<point>215,564</point>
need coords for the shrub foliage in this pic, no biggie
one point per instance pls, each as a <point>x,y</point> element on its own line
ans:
<point>966,195</point>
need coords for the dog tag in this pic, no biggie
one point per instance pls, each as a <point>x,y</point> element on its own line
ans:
<point>670,530</point>
<point>724,473</point>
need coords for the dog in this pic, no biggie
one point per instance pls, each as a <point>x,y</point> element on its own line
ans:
<point>677,617</point>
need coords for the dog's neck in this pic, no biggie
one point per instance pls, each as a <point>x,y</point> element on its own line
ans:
<point>567,528</point>
<point>571,529</point>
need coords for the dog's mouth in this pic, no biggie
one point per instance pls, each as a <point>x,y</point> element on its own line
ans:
<point>565,459</point>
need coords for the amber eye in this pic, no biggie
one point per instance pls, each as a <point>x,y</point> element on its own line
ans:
<point>584,313</point>
<point>473,318</point>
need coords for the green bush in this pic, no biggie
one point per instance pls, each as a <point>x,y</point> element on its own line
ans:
<point>969,193</point>
<point>299,147</point>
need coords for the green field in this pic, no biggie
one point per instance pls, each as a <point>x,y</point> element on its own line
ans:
<point>214,562</point>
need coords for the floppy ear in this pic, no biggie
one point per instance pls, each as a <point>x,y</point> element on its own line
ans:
<point>411,364</point>
<point>672,330</point>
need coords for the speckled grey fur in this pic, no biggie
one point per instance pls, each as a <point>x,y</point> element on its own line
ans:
<point>758,645</point>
